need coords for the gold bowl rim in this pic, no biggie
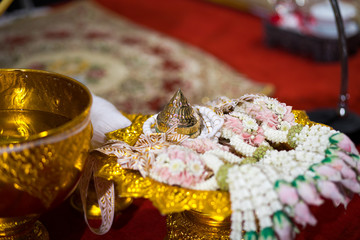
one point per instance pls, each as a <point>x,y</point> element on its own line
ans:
<point>61,132</point>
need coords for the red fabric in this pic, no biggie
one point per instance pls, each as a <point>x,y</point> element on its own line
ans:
<point>236,38</point>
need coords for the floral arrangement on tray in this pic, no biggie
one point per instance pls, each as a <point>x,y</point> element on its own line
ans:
<point>272,160</point>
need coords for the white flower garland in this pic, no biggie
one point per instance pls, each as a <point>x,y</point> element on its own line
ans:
<point>314,139</point>
<point>267,186</point>
<point>241,146</point>
<point>212,123</point>
<point>275,136</point>
<point>147,126</point>
<point>251,195</point>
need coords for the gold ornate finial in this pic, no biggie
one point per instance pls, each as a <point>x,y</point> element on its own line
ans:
<point>178,112</point>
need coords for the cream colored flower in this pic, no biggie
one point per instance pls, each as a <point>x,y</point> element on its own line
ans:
<point>176,166</point>
<point>285,126</point>
<point>279,109</point>
<point>196,168</point>
<point>250,123</point>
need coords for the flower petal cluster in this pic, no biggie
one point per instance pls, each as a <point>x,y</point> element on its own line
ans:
<point>179,166</point>
<point>203,145</point>
<point>246,129</point>
<point>268,111</point>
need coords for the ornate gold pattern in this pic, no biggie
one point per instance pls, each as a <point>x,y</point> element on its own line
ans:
<point>129,134</point>
<point>190,225</point>
<point>40,163</point>
<point>302,118</point>
<point>27,229</point>
<point>179,113</point>
<point>25,169</point>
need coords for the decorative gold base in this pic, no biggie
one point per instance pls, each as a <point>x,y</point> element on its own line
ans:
<point>191,225</point>
<point>26,229</point>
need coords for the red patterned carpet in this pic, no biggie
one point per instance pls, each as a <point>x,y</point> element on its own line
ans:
<point>135,68</point>
<point>237,39</point>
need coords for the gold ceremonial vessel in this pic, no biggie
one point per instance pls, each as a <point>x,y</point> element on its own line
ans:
<point>45,134</point>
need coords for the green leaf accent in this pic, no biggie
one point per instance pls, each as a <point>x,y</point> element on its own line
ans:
<point>251,235</point>
<point>334,139</point>
<point>291,134</point>
<point>267,234</point>
<point>279,217</point>
<point>249,160</point>
<point>354,156</point>
<point>221,177</point>
<point>317,178</point>
<point>260,152</point>
<point>300,178</point>
<point>311,168</point>
<point>278,183</point>
<point>331,151</point>
<point>327,160</point>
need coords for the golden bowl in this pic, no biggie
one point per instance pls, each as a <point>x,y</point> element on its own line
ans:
<point>45,134</point>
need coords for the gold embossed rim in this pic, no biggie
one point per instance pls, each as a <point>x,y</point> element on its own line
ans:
<point>72,127</point>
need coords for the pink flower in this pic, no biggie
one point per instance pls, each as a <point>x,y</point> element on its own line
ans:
<point>164,173</point>
<point>303,215</point>
<point>349,160</point>
<point>345,170</point>
<point>287,194</point>
<point>252,109</point>
<point>259,139</point>
<point>262,114</point>
<point>344,142</point>
<point>234,124</point>
<point>328,172</point>
<point>254,138</point>
<point>289,116</point>
<point>347,145</point>
<point>283,226</point>
<point>175,153</point>
<point>188,180</point>
<point>329,190</point>
<point>308,193</point>
<point>180,166</point>
<point>351,184</point>
<point>203,145</point>
<point>270,118</point>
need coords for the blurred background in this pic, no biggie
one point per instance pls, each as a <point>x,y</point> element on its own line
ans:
<point>137,53</point>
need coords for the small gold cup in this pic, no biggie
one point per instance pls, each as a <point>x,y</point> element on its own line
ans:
<point>45,134</point>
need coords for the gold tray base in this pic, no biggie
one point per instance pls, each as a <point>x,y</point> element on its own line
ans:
<point>26,232</point>
<point>191,225</point>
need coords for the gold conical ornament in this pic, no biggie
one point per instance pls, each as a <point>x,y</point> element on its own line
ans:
<point>178,112</point>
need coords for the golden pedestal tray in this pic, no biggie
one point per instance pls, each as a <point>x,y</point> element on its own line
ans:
<point>191,214</point>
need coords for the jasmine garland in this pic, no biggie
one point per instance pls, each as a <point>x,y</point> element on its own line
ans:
<point>273,167</point>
